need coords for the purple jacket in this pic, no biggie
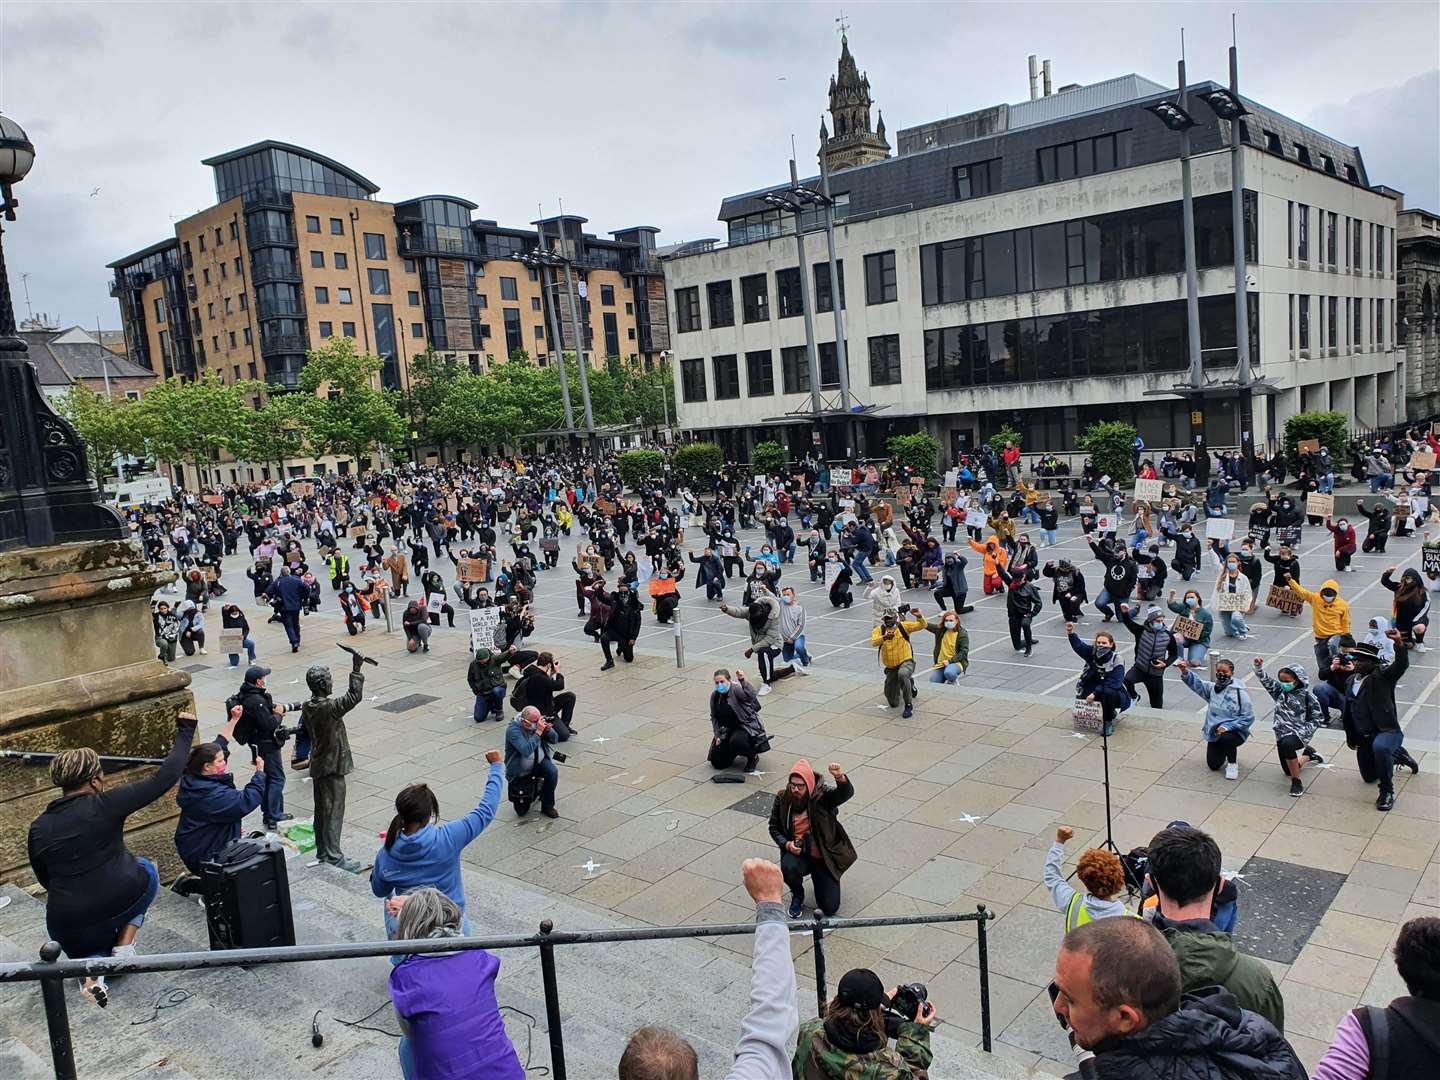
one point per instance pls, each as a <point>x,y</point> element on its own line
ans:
<point>448,1001</point>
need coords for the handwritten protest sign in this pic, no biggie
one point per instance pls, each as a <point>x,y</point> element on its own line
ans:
<point>1231,601</point>
<point>472,570</point>
<point>1318,505</point>
<point>1189,629</point>
<point>1219,529</point>
<point>484,629</point>
<point>1285,600</point>
<point>1149,490</point>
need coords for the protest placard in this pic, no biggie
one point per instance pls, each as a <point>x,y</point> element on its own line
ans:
<point>1231,601</point>
<point>1288,534</point>
<point>605,506</point>
<point>975,519</point>
<point>1430,559</point>
<point>1219,528</point>
<point>1088,716</point>
<point>359,530</point>
<point>596,563</point>
<point>1285,600</point>
<point>1105,523</point>
<point>1423,460</point>
<point>930,574</point>
<point>1308,446</point>
<point>1189,629</point>
<point>213,500</point>
<point>433,603</point>
<point>1149,490</point>
<point>1318,505</point>
<point>832,571</point>
<point>952,477</point>
<point>232,640</point>
<point>472,570</point>
<point>485,629</point>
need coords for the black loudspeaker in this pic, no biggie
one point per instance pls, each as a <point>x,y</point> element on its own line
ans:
<point>247,896</point>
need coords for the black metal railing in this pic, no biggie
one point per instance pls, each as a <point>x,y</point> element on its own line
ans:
<point>423,242</point>
<point>269,237</point>
<point>264,272</point>
<point>52,972</point>
<point>273,344</point>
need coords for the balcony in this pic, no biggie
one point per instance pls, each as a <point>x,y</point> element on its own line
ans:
<point>265,273</point>
<point>258,238</point>
<point>279,344</point>
<point>267,196</point>
<point>421,242</point>
<point>275,309</point>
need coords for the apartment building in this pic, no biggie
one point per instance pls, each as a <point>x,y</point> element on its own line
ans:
<point>298,249</point>
<point>1023,265</point>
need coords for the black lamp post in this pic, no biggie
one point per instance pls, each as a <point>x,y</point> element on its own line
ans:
<point>46,494</point>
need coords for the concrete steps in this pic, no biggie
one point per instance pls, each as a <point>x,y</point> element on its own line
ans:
<point>255,1023</point>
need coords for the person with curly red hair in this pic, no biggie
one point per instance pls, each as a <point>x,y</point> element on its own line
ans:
<point>1099,871</point>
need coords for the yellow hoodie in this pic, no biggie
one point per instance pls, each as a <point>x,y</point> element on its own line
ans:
<point>1326,619</point>
<point>895,650</point>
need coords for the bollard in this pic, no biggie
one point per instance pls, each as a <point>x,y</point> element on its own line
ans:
<point>679,640</point>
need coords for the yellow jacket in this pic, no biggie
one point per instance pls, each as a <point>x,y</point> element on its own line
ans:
<point>895,650</point>
<point>1326,620</point>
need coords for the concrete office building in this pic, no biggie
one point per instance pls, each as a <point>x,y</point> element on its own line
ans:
<point>1024,265</point>
<point>297,249</point>
<point>1418,294</point>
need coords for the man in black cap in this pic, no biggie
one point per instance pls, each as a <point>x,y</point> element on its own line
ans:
<point>853,1038</point>
<point>258,728</point>
<point>1372,727</point>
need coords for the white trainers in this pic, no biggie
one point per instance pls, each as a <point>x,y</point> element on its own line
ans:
<point>764,689</point>
<point>202,651</point>
<point>1232,771</point>
<point>802,669</point>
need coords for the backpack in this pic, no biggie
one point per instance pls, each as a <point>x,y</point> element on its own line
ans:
<point>519,696</point>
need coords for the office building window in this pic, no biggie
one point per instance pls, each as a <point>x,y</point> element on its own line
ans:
<point>219,236</point>
<point>508,289</point>
<point>1380,328</point>
<point>880,278</point>
<point>1379,242</point>
<point>344,296</point>
<point>1304,323</point>
<point>1357,323</point>
<point>630,332</point>
<point>607,295</point>
<point>412,298</point>
<point>229,306</point>
<point>720,295</point>
<point>224,271</point>
<point>374,245</point>
<point>239,271</point>
<point>159,310</point>
<point>754,298</point>
<point>1357,245</point>
<point>539,332</point>
<point>317,260</point>
<point>535,303</point>
<point>379,281</point>
<point>976,179</point>
<point>1290,230</point>
<point>830,365</point>
<point>234,231</point>
<point>1290,310</point>
<point>727,377</point>
<point>1332,320</point>
<point>417,330</point>
<point>885,360</point>
<point>1302,232</point>
<point>245,331</point>
<point>759,373</point>
<point>347,329</point>
<point>337,227</point>
<point>824,301</point>
<point>612,333</point>
<point>232,339</point>
<point>787,293</point>
<point>201,238</point>
<point>692,380</point>
<point>1331,239</point>
<point>409,265</point>
<point>215,342</point>
<point>210,310</point>
<point>482,301</point>
<point>795,370</point>
<point>629,308</point>
<point>244,302</point>
<point>342,261</point>
<point>687,311</point>
<point>1084,157</point>
<point>206,274</point>
<point>514,335</point>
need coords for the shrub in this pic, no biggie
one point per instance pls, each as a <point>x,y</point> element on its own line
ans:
<point>768,459</point>
<point>697,464</point>
<point>1111,446</point>
<point>1006,434</point>
<point>920,453</point>
<point>637,466</point>
<point>1331,428</point>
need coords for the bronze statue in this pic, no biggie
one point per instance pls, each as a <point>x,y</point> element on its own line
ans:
<point>330,759</point>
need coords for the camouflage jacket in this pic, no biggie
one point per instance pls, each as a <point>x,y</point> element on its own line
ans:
<point>817,1058</point>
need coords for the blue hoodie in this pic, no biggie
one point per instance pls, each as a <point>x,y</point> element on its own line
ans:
<point>210,812</point>
<point>431,856</point>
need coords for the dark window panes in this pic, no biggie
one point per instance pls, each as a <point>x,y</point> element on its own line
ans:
<point>787,293</point>
<point>342,261</point>
<point>317,259</point>
<point>1049,242</point>
<point>1004,345</point>
<point>1024,261</point>
<point>955,358</point>
<point>1065,162</point>
<point>759,373</point>
<point>1046,158</point>
<point>829,365</point>
<point>880,278</point>
<point>795,369</point>
<point>337,226</point>
<point>1085,158</point>
<point>374,245</point>
<point>727,377</point>
<point>607,294</point>
<point>692,380</point>
<point>975,268</point>
<point>1079,346</point>
<point>509,290</point>
<point>754,298</point>
<point>885,360</point>
<point>1000,264</point>
<point>379,281</point>
<point>1105,153</point>
<point>1166,337</point>
<point>823,299</point>
<point>1052,344</point>
<point>721,297</point>
<point>933,374</point>
<point>687,310</point>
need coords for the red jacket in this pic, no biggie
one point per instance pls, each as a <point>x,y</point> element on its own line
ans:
<point>1344,538</point>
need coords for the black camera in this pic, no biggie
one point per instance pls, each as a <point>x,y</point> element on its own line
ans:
<point>558,756</point>
<point>906,1002</point>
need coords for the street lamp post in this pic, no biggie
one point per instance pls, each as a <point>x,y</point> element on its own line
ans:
<point>789,200</point>
<point>539,261</point>
<point>46,494</point>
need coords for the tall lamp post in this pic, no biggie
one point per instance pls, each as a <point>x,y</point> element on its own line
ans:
<point>46,494</point>
<point>540,260</point>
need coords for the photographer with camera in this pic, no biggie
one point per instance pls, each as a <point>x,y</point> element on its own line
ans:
<point>853,1037</point>
<point>892,639</point>
<point>543,686</point>
<point>211,809</point>
<point>259,728</point>
<point>529,770</point>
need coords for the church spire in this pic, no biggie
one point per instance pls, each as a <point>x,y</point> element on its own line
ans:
<point>854,141</point>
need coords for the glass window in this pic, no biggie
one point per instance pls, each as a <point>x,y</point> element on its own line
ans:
<point>341,260</point>
<point>721,298</point>
<point>413,298</point>
<point>417,330</point>
<point>327,329</point>
<point>1331,238</point>
<point>787,292</point>
<point>760,373</point>
<point>514,337</point>
<point>374,246</point>
<point>317,259</point>
<point>692,380</point>
<point>337,227</point>
<point>343,295</point>
<point>687,311</point>
<point>979,178</point>
<point>1302,214</point>
<point>880,278</point>
<point>612,333</point>
<point>379,281</point>
<point>824,301</point>
<point>885,360</point>
<point>509,290</point>
<point>830,365</point>
<point>1050,261</point>
<point>795,368</point>
<point>348,329</point>
<point>754,298</point>
<point>159,310</point>
<point>322,294</point>
<point>999,264</point>
<point>1305,322</point>
<point>607,295</point>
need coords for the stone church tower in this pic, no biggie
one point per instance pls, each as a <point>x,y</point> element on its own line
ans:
<point>853,143</point>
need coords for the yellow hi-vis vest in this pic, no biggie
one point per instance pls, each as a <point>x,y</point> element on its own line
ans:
<point>1077,915</point>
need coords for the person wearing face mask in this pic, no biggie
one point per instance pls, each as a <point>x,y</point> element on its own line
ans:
<point>665,595</point>
<point>1285,562</point>
<point>1022,604</point>
<point>1343,536</point>
<point>792,631</point>
<point>1229,715</point>
<point>1155,650</point>
<point>1297,714</point>
<point>951,654</point>
<point>994,555</point>
<point>1329,617</point>
<point>1187,552</point>
<point>1069,591</point>
<point>735,727</point>
<point>884,598</point>
<point>1024,556</point>
<point>1411,607</point>
<point>1121,572</point>
<point>762,616</point>
<point>1372,725</point>
<point>210,808</point>
<point>1103,678</point>
<point>892,639</point>
<point>1231,581</point>
<point>952,583</point>
<point>1191,607</point>
<point>1377,530</point>
<point>353,609</point>
<point>622,627</point>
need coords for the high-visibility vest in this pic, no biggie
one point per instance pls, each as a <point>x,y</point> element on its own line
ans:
<point>1076,913</point>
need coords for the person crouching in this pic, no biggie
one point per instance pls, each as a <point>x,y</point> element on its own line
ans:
<point>736,730</point>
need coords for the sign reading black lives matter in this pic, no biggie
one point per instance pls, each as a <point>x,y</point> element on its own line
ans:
<point>1430,560</point>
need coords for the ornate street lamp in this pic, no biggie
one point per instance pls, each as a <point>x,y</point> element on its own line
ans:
<point>46,494</point>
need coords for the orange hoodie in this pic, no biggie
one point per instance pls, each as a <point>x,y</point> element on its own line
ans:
<point>803,770</point>
<point>1000,556</point>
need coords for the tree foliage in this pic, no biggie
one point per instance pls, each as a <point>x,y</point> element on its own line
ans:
<point>918,452</point>
<point>193,421</point>
<point>1006,434</point>
<point>697,464</point>
<point>767,459</point>
<point>1331,428</point>
<point>638,466</point>
<point>107,426</point>
<point>1111,447</point>
<point>352,417</point>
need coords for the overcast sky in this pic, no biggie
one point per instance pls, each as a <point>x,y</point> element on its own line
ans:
<point>632,113</point>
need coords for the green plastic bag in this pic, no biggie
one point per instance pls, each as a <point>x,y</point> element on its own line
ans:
<point>302,835</point>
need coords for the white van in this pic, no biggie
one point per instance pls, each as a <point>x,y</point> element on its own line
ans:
<point>141,491</point>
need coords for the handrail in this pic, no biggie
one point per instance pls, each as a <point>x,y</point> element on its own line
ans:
<point>52,971</point>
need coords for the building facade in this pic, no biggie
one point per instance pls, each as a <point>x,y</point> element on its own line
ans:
<point>298,249</point>
<point>1418,233</point>
<point>66,357</point>
<point>1024,266</point>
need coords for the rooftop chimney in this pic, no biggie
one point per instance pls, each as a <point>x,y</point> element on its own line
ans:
<point>1048,91</point>
<point>1034,77</point>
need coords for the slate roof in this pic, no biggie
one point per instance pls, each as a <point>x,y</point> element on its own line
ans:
<point>59,363</point>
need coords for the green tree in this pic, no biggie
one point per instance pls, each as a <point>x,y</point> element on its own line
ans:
<point>637,466</point>
<point>106,426</point>
<point>1111,446</point>
<point>194,421</point>
<point>1331,428</point>
<point>353,416</point>
<point>275,432</point>
<point>1006,434</point>
<point>432,379</point>
<point>697,464</point>
<point>768,459</point>
<point>918,452</point>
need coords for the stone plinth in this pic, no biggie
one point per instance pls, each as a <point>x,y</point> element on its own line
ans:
<point>78,668</point>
